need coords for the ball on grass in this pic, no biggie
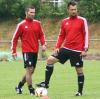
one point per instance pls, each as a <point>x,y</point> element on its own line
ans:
<point>40,92</point>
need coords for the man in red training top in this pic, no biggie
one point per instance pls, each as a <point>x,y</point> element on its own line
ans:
<point>30,32</point>
<point>72,44</point>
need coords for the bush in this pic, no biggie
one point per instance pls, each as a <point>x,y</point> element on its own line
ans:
<point>15,8</point>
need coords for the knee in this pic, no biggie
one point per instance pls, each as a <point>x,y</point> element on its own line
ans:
<point>50,60</point>
<point>80,74</point>
<point>79,71</point>
<point>31,70</point>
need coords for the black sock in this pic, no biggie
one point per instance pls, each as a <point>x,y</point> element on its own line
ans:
<point>48,73</point>
<point>31,89</point>
<point>20,85</point>
<point>80,83</point>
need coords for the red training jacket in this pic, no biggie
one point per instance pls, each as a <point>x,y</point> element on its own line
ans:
<point>73,34</point>
<point>30,32</point>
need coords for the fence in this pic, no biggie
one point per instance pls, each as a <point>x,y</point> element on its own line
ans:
<point>94,48</point>
<point>6,44</point>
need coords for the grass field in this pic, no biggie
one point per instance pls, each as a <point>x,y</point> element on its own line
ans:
<point>63,83</point>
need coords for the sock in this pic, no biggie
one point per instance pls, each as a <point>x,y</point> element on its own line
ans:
<point>31,89</point>
<point>80,83</point>
<point>20,85</point>
<point>48,73</point>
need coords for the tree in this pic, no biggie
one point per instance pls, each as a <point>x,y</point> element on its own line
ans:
<point>90,9</point>
<point>5,7</point>
<point>15,8</point>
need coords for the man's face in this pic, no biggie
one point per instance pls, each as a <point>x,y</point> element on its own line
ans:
<point>30,14</point>
<point>72,10</point>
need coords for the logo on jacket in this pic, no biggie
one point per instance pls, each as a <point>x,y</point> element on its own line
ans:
<point>67,23</point>
<point>26,27</point>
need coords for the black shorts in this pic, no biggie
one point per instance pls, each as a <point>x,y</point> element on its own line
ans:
<point>30,59</point>
<point>75,57</point>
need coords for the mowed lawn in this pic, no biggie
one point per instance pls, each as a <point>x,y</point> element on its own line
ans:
<point>63,83</point>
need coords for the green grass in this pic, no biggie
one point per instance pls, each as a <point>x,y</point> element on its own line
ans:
<point>63,83</point>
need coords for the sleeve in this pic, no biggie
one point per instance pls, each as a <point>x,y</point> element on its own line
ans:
<point>15,38</point>
<point>86,31</point>
<point>61,36</point>
<point>41,35</point>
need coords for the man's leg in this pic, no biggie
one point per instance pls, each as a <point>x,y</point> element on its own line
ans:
<point>29,72</point>
<point>30,60</point>
<point>20,85</point>
<point>22,82</point>
<point>80,76</point>
<point>48,72</point>
<point>26,78</point>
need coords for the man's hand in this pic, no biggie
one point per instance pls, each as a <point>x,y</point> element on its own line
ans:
<point>14,55</point>
<point>43,47</point>
<point>84,53</point>
<point>56,51</point>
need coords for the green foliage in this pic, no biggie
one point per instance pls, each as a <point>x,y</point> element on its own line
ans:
<point>9,8</point>
<point>5,7</point>
<point>44,10</point>
<point>48,9</point>
<point>15,8</point>
<point>90,9</point>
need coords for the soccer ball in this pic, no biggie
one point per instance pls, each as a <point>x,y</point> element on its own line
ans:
<point>40,92</point>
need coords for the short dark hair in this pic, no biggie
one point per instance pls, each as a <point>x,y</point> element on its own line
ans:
<point>73,3</point>
<point>28,7</point>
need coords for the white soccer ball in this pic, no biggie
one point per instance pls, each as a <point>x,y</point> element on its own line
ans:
<point>40,92</point>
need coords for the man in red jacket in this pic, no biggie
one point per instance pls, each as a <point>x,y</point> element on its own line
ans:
<point>30,32</point>
<point>72,44</point>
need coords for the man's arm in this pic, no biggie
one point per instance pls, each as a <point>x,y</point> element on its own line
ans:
<point>61,36</point>
<point>42,39</point>
<point>14,41</point>
<point>86,42</point>
<point>86,30</point>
